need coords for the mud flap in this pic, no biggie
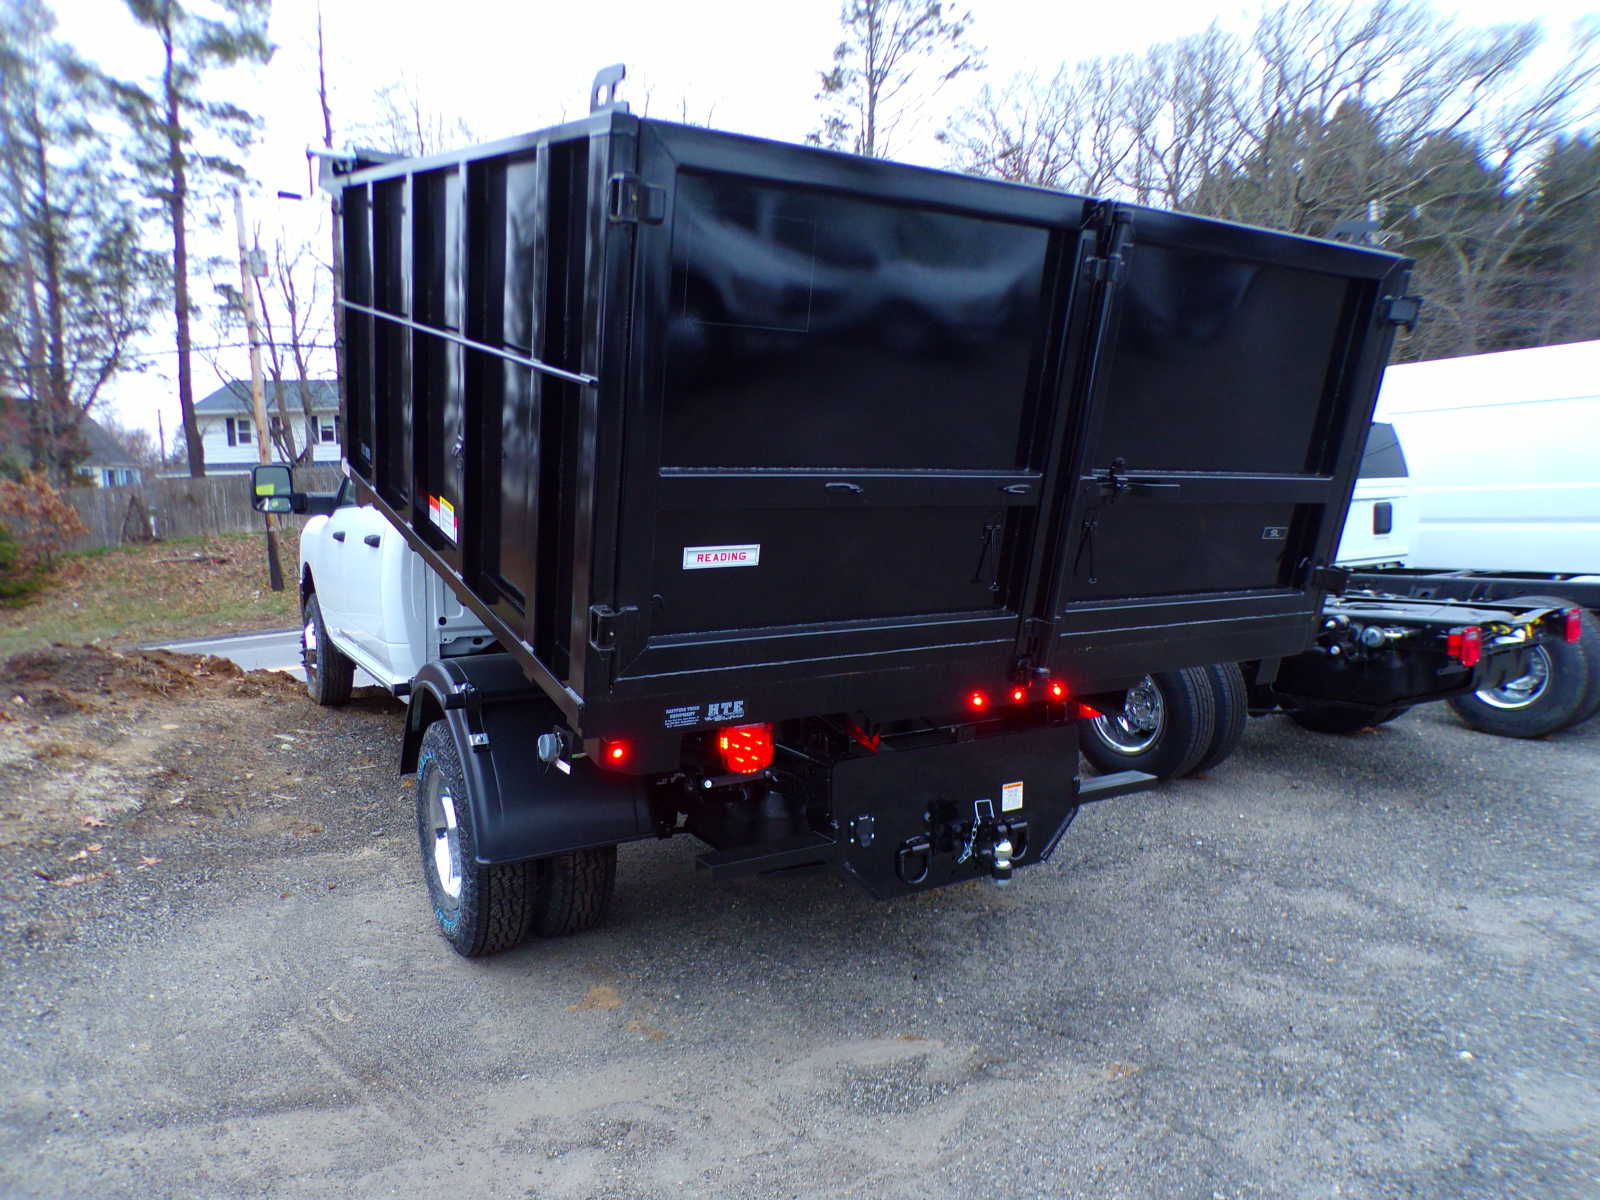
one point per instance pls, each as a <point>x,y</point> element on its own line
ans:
<point>522,808</point>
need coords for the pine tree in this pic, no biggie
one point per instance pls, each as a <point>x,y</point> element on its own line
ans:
<point>80,287</point>
<point>182,136</point>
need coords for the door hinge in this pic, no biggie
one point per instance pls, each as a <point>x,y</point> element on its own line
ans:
<point>1333,580</point>
<point>1106,269</point>
<point>632,199</point>
<point>604,624</point>
<point>1400,310</point>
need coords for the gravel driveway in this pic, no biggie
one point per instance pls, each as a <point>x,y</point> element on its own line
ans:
<point>1362,966</point>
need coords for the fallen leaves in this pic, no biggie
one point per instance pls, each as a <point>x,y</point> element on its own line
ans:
<point>601,996</point>
<point>75,880</point>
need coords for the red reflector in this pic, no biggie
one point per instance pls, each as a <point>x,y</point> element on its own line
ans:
<point>1574,624</point>
<point>1018,695</point>
<point>1466,646</point>
<point>977,701</point>
<point>1088,712</point>
<point>1058,690</point>
<point>613,754</point>
<point>745,749</point>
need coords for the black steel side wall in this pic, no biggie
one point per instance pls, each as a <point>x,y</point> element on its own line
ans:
<point>553,401</point>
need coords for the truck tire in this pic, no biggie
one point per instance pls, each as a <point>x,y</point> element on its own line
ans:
<point>1562,687</point>
<point>1232,703</point>
<point>1167,725</point>
<point>479,910</point>
<point>1342,718</point>
<point>573,891</point>
<point>329,674</point>
<point>484,910</point>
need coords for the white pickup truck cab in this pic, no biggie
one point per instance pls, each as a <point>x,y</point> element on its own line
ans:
<point>1382,521</point>
<point>368,600</point>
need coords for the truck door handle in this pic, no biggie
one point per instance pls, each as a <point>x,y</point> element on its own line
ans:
<point>853,489</point>
<point>338,535</point>
<point>373,540</point>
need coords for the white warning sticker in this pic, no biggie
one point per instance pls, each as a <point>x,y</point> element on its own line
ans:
<point>699,558</point>
<point>443,514</point>
<point>1011,796</point>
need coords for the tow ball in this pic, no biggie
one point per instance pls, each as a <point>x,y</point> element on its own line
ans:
<point>994,843</point>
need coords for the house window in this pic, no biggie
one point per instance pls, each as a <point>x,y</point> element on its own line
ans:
<point>330,429</point>
<point>238,431</point>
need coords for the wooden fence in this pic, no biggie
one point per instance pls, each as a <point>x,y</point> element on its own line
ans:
<point>173,508</point>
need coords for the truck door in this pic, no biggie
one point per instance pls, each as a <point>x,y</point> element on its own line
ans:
<point>1234,382</point>
<point>835,441</point>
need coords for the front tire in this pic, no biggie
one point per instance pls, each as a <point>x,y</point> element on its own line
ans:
<point>488,909</point>
<point>1167,725</point>
<point>329,674</point>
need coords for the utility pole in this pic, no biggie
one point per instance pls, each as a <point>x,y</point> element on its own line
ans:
<point>257,399</point>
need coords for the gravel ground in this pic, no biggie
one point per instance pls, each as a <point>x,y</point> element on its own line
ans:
<point>1361,966</point>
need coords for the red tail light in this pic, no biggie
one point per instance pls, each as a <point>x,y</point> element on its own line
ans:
<point>1466,646</point>
<point>1088,712</point>
<point>978,701</point>
<point>1058,690</point>
<point>1573,628</point>
<point>613,754</point>
<point>745,749</point>
<point>1018,695</point>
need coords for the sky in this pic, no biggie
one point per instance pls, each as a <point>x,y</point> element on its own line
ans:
<point>508,68</point>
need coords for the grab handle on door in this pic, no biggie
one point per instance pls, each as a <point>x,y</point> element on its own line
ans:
<point>839,485</point>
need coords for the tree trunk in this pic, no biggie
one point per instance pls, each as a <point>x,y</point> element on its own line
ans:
<point>338,251</point>
<point>63,423</point>
<point>177,211</point>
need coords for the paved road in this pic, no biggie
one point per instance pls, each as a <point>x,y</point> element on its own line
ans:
<point>1340,966</point>
<point>273,650</point>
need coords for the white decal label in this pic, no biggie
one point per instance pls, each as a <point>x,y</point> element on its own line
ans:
<point>683,714</point>
<point>699,558</point>
<point>725,710</point>
<point>1010,796</point>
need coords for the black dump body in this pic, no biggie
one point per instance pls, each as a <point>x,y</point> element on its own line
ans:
<point>710,428</point>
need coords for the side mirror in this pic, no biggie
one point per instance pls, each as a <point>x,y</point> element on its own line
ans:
<point>272,488</point>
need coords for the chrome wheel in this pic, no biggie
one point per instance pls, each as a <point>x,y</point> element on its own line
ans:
<point>1523,690</point>
<point>446,835</point>
<point>1138,726</point>
<point>308,647</point>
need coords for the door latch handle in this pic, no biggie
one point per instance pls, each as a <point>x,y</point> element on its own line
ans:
<point>373,540</point>
<point>338,535</point>
<point>839,485</point>
<point>1115,483</point>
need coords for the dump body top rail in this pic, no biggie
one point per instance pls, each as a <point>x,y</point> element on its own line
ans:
<point>709,427</point>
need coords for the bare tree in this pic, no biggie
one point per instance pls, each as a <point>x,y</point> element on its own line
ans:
<point>292,286</point>
<point>405,122</point>
<point>867,94</point>
<point>1328,110</point>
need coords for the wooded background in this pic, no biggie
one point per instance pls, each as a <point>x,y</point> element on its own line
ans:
<point>1471,149</point>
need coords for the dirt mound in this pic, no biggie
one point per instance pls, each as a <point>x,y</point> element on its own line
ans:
<point>71,679</point>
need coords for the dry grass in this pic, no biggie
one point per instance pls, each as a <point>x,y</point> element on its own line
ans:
<point>142,594</point>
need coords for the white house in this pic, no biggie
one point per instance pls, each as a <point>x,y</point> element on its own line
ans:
<point>228,431</point>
